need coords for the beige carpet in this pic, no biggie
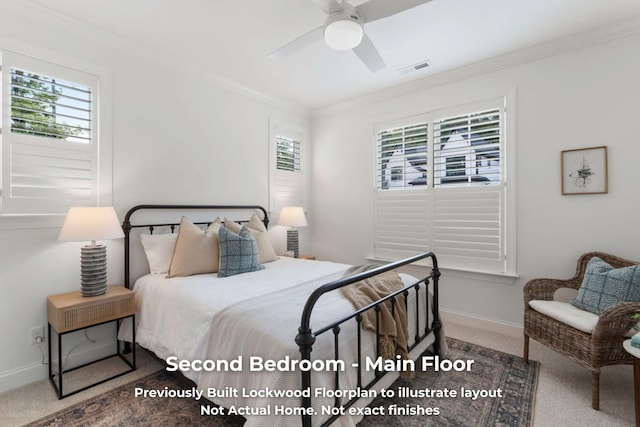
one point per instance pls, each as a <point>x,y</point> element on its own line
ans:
<point>33,401</point>
<point>563,396</point>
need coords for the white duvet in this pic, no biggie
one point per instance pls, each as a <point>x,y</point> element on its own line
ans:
<point>254,314</point>
<point>173,315</point>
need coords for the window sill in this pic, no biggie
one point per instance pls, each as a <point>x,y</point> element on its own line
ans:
<point>484,276</point>
<point>477,275</point>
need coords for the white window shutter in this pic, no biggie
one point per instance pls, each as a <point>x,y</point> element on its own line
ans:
<point>49,143</point>
<point>467,149</point>
<point>467,227</point>
<point>45,178</point>
<point>402,223</point>
<point>288,190</point>
<point>460,211</point>
<point>402,157</point>
<point>287,171</point>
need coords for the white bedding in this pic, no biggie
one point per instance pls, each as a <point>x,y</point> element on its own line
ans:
<point>253,314</point>
<point>173,315</point>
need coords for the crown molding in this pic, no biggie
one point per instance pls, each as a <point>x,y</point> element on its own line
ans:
<point>76,28</point>
<point>626,28</point>
<point>73,27</point>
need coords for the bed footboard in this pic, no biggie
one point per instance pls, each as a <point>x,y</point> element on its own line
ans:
<point>306,336</point>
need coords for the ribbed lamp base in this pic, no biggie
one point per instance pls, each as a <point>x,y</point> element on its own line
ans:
<point>93,270</point>
<point>292,242</point>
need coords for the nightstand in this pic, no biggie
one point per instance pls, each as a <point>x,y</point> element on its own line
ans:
<point>306,256</point>
<point>73,312</point>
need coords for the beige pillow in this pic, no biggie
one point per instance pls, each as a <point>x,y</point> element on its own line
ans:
<point>196,251</point>
<point>259,231</point>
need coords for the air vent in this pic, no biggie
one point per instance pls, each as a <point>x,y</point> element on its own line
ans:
<point>415,67</point>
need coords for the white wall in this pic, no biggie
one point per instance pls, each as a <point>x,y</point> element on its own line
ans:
<point>177,138</point>
<point>189,139</point>
<point>584,98</point>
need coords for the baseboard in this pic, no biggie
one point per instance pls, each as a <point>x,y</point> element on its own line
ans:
<point>22,376</point>
<point>482,323</point>
<point>40,371</point>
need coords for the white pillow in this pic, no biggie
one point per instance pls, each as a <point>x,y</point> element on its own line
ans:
<point>159,249</point>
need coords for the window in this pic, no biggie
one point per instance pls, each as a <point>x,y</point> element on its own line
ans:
<point>50,158</point>
<point>287,154</point>
<point>441,186</point>
<point>467,149</point>
<point>402,156</point>
<point>287,174</point>
<point>48,107</point>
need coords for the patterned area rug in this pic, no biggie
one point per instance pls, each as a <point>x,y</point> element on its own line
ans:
<point>493,373</point>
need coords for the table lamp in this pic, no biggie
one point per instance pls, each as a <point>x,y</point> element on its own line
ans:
<point>91,224</point>
<point>292,216</point>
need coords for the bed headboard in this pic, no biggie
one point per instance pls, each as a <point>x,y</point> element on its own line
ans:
<point>152,217</point>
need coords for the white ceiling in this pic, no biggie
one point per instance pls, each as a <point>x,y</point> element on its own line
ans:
<point>232,39</point>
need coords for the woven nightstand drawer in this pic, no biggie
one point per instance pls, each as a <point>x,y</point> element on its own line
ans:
<point>67,312</point>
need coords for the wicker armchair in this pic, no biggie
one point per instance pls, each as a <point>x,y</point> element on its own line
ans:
<point>593,351</point>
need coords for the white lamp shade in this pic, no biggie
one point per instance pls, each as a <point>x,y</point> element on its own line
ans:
<point>343,34</point>
<point>292,216</point>
<point>91,223</point>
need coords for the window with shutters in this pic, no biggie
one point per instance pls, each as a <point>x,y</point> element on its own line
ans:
<point>287,174</point>
<point>402,153</point>
<point>441,186</point>
<point>287,154</point>
<point>50,147</point>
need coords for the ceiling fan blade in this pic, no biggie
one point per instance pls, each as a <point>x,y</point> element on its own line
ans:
<point>328,6</point>
<point>368,54</point>
<point>378,9</point>
<point>298,43</point>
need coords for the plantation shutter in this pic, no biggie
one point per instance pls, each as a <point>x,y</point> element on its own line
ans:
<point>49,144</point>
<point>468,198</point>
<point>402,223</point>
<point>401,203</point>
<point>440,186</point>
<point>402,157</point>
<point>288,181</point>
<point>467,227</point>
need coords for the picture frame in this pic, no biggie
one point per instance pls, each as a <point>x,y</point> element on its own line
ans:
<point>585,171</point>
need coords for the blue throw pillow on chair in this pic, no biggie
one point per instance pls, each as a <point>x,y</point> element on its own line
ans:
<point>603,286</point>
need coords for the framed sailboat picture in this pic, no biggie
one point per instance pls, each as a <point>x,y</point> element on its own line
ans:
<point>584,171</point>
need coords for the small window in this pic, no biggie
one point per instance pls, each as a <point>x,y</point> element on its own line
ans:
<point>48,107</point>
<point>402,157</point>
<point>467,149</point>
<point>287,154</point>
<point>50,151</point>
<point>287,171</point>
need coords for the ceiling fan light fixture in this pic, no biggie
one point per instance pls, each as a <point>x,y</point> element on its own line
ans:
<point>343,34</point>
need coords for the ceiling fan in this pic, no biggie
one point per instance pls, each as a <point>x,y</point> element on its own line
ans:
<point>344,28</point>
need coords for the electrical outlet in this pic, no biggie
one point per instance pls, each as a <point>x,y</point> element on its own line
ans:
<point>36,335</point>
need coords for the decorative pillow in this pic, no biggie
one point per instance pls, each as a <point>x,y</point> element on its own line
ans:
<point>159,249</point>
<point>196,250</point>
<point>260,233</point>
<point>603,286</point>
<point>238,252</point>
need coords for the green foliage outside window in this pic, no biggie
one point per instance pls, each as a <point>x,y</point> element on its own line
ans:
<point>34,104</point>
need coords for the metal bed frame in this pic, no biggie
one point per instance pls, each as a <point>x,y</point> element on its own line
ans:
<point>306,336</point>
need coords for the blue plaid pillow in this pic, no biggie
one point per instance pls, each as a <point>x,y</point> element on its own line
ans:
<point>238,252</point>
<point>604,286</point>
